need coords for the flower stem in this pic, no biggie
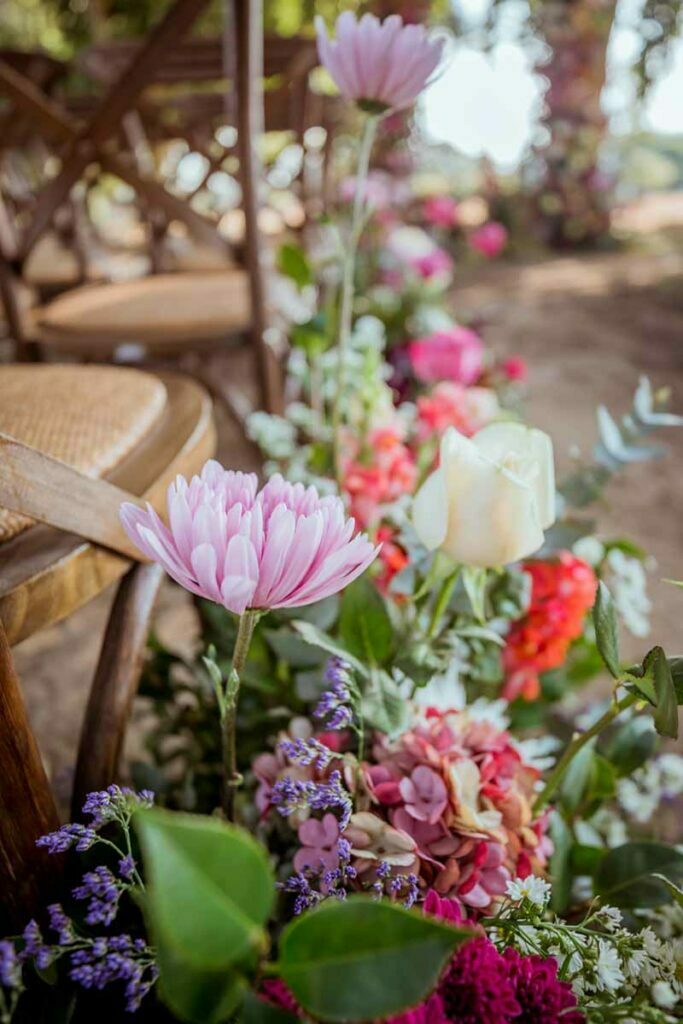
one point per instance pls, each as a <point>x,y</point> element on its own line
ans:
<point>346,306</point>
<point>445,594</point>
<point>231,777</point>
<point>578,742</point>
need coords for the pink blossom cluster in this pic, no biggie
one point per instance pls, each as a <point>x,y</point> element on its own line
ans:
<point>379,475</point>
<point>461,792</point>
<point>449,404</point>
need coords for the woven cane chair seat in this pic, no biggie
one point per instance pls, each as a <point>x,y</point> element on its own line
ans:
<point>135,429</point>
<point>163,312</point>
<point>90,417</point>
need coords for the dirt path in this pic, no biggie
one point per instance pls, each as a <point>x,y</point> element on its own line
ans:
<point>588,327</point>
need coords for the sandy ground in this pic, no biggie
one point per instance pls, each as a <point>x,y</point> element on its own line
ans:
<point>588,327</point>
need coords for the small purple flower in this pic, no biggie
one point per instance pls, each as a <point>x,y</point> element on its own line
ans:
<point>119,958</point>
<point>79,836</point>
<point>61,924</point>
<point>33,938</point>
<point>307,752</point>
<point>115,802</point>
<point>127,867</point>
<point>10,965</point>
<point>103,891</point>
<point>290,795</point>
<point>335,707</point>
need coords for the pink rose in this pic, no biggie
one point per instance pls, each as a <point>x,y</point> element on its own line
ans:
<point>455,355</point>
<point>490,239</point>
<point>441,211</point>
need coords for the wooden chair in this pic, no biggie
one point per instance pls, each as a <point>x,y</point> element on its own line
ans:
<point>74,442</point>
<point>64,327</point>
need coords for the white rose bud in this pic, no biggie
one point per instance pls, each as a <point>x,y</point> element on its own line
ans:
<point>492,496</point>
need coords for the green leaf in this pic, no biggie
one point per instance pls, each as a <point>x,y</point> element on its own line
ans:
<point>676,666</point>
<point>360,959</point>
<point>383,707</point>
<point>259,1011</point>
<point>560,870</point>
<point>675,890</point>
<point>364,625</point>
<point>317,638</point>
<point>210,893</point>
<point>657,668</point>
<point>474,581</point>
<point>632,744</point>
<point>577,777</point>
<point>585,859</point>
<point>627,876</point>
<point>605,621</point>
<point>292,262</point>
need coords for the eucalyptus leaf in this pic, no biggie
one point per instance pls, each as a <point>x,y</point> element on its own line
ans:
<point>606,637</point>
<point>630,875</point>
<point>360,960</point>
<point>384,707</point>
<point>317,638</point>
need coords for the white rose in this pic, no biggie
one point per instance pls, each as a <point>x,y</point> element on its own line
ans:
<point>492,496</point>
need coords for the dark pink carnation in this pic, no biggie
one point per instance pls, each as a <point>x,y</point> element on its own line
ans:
<point>477,988</point>
<point>542,997</point>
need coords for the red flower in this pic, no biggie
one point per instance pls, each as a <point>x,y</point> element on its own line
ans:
<point>562,592</point>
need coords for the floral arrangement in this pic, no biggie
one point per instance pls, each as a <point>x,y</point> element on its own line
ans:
<point>383,797</point>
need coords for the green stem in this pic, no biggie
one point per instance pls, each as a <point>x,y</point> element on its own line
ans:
<point>578,743</point>
<point>348,276</point>
<point>445,594</point>
<point>231,777</point>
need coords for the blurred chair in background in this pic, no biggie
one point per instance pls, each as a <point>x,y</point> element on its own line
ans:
<point>74,442</point>
<point>156,96</point>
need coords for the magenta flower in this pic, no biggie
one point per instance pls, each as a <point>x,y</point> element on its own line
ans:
<point>453,355</point>
<point>380,65</point>
<point>281,547</point>
<point>441,211</point>
<point>490,239</point>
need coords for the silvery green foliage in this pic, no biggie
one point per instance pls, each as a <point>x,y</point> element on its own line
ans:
<point>275,435</point>
<point>621,443</point>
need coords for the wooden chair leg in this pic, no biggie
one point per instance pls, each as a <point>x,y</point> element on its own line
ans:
<point>115,683</point>
<point>27,808</point>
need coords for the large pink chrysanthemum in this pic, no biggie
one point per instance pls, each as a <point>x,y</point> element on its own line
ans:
<point>381,65</point>
<point>281,547</point>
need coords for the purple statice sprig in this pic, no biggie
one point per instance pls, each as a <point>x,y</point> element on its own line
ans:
<point>93,962</point>
<point>338,705</point>
<point>289,795</point>
<point>404,887</point>
<point>332,884</point>
<point>114,805</point>
<point>307,752</point>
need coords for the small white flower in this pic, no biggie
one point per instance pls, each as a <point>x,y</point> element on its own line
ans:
<point>664,996</point>
<point>635,964</point>
<point>609,975</point>
<point>531,888</point>
<point>590,549</point>
<point>610,918</point>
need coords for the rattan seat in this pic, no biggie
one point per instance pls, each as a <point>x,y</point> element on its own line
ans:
<point>165,313</point>
<point>132,428</point>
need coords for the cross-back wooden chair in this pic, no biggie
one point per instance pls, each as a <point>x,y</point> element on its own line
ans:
<point>167,315</point>
<point>74,442</point>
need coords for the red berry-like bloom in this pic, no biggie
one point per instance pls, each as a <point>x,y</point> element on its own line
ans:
<point>477,988</point>
<point>562,592</point>
<point>542,997</point>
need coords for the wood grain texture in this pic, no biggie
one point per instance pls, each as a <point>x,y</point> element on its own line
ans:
<point>115,683</point>
<point>248,23</point>
<point>36,485</point>
<point>27,810</point>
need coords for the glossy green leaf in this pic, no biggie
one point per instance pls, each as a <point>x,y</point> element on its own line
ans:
<point>364,625</point>
<point>631,745</point>
<point>606,636</point>
<point>627,876</point>
<point>209,895</point>
<point>675,890</point>
<point>257,1010</point>
<point>657,668</point>
<point>360,960</point>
